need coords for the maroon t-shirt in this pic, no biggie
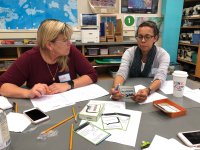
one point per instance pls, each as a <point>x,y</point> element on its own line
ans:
<point>32,69</point>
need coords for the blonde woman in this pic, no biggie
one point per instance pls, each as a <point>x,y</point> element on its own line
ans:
<point>53,66</point>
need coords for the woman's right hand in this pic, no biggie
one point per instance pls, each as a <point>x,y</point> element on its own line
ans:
<point>38,90</point>
<point>115,94</point>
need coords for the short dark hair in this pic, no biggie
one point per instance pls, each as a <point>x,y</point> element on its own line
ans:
<point>150,24</point>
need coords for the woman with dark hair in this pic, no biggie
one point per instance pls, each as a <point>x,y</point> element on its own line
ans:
<point>53,66</point>
<point>144,60</point>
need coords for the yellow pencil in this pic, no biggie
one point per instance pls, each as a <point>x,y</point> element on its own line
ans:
<point>71,137</point>
<point>74,113</point>
<point>56,125</point>
<point>16,107</point>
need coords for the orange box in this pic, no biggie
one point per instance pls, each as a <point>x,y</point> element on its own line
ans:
<point>170,108</point>
<point>8,42</point>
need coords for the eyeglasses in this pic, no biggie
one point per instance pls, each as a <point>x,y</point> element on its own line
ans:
<point>146,37</point>
<point>66,42</point>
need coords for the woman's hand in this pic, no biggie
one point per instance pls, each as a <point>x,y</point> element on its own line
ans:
<point>59,87</point>
<point>115,94</point>
<point>141,95</point>
<point>38,90</point>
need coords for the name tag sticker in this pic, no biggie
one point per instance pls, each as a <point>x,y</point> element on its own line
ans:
<point>64,78</point>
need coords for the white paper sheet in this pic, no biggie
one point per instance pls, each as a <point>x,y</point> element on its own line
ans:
<point>193,94</point>
<point>4,103</point>
<point>52,102</point>
<point>154,96</point>
<point>121,136</point>
<point>112,106</point>
<point>17,122</point>
<point>167,87</point>
<point>91,91</point>
<point>161,143</point>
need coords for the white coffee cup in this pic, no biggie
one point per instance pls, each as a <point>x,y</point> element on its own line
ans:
<point>179,81</point>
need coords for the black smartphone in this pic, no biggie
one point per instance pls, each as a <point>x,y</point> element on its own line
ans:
<point>36,115</point>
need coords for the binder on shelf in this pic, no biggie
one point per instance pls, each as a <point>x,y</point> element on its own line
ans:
<point>110,32</point>
<point>119,31</point>
<point>102,32</point>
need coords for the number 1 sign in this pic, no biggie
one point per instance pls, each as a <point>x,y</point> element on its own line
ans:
<point>129,22</point>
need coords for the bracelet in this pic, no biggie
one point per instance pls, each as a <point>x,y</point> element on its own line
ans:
<point>150,91</point>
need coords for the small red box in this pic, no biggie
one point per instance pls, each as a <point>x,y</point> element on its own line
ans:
<point>8,42</point>
<point>177,110</point>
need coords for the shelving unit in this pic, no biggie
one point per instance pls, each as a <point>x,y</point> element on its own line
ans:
<point>189,53</point>
<point>104,70</point>
<point>10,52</point>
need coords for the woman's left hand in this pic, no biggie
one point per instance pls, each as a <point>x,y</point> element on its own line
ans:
<point>141,95</point>
<point>59,87</point>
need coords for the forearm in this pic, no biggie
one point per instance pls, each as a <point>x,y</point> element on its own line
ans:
<point>155,85</point>
<point>118,80</point>
<point>11,90</point>
<point>82,81</point>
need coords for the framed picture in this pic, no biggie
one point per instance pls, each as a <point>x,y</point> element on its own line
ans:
<point>139,6</point>
<point>104,6</point>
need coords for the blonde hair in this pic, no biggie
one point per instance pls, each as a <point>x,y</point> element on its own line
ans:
<point>49,31</point>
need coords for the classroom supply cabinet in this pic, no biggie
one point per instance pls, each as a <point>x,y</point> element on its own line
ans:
<point>189,46</point>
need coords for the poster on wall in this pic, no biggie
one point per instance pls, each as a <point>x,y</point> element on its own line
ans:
<point>157,20</point>
<point>28,14</point>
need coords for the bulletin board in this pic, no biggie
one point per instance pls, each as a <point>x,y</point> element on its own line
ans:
<point>28,14</point>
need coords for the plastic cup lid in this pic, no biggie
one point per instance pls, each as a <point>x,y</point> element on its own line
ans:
<point>180,73</point>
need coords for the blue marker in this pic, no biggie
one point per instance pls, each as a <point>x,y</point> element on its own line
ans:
<point>116,89</point>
